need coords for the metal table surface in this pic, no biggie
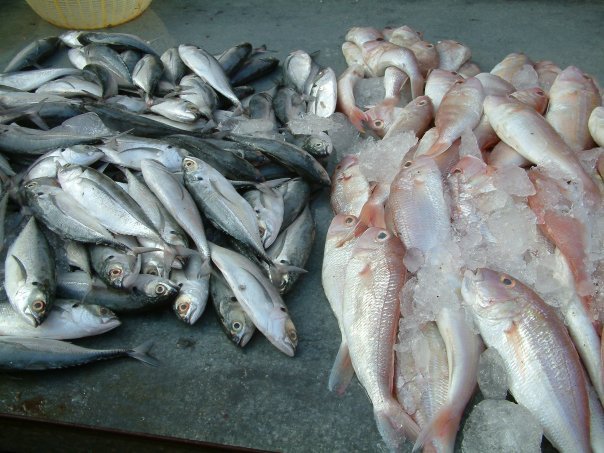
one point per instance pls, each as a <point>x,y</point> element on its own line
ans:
<point>207,389</point>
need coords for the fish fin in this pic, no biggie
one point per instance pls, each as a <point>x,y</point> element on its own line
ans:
<point>373,215</point>
<point>140,250</point>
<point>358,119</point>
<point>442,427</point>
<point>395,425</point>
<point>286,268</point>
<point>21,266</point>
<point>142,353</point>
<point>101,168</point>
<point>438,148</point>
<point>341,371</point>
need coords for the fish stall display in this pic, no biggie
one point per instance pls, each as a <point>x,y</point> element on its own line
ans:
<point>137,181</point>
<point>464,253</point>
<point>470,221</point>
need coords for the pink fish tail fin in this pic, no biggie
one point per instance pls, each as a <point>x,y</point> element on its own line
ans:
<point>441,430</point>
<point>395,425</point>
<point>357,118</point>
<point>438,148</point>
<point>342,371</point>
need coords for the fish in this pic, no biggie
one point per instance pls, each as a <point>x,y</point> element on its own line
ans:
<point>253,69</point>
<point>194,284</point>
<point>543,368</point>
<point>46,165</point>
<point>32,53</point>
<point>232,58</point>
<point>111,60</point>
<point>438,83</point>
<point>426,54</point>
<point>68,320</point>
<point>460,109</point>
<point>130,57</point>
<point>547,71</point>
<point>29,278</point>
<point>31,354</point>
<point>71,86</point>
<point>339,242</point>
<point>177,201</point>
<point>116,39</point>
<point>350,189</point>
<point>288,155</point>
<point>596,125</point>
<point>205,66</point>
<point>222,205</point>
<point>62,214</point>
<point>404,36</point>
<point>452,54</point>
<point>530,135</point>
<point>494,85</point>
<point>370,312</point>
<point>116,268</point>
<point>174,68</point>
<point>199,93</point>
<point>100,75</point>
<point>31,80</point>
<point>361,35</point>
<point>415,117</point>
<point>258,297</point>
<point>147,72</point>
<point>236,323</point>
<point>510,65</point>
<point>177,110</point>
<point>292,248</point>
<point>380,55</point>
<point>572,98</point>
<point>267,203</point>
<point>296,70</point>
<point>260,107</point>
<point>288,105</point>
<point>323,94</point>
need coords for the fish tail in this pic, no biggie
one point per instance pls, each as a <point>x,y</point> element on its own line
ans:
<point>142,353</point>
<point>442,428</point>
<point>341,372</point>
<point>438,148</point>
<point>395,425</point>
<point>373,215</point>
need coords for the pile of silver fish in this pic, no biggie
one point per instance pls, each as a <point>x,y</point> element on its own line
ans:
<point>130,186</point>
<point>472,219</point>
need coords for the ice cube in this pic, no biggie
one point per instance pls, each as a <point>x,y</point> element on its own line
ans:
<point>514,181</point>
<point>369,92</point>
<point>413,259</point>
<point>501,426</point>
<point>492,375</point>
<point>380,160</point>
<point>254,127</point>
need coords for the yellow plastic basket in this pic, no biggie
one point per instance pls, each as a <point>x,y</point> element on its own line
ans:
<point>88,14</point>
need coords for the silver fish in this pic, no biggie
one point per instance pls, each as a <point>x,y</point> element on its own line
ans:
<point>68,319</point>
<point>194,283</point>
<point>30,274</point>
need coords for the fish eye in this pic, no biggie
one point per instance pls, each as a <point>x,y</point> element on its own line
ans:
<point>31,185</point>
<point>378,124</point>
<point>188,163</point>
<point>233,299</point>
<point>382,236</point>
<point>507,281</point>
<point>429,46</point>
<point>152,271</point>
<point>38,306</point>
<point>349,220</point>
<point>293,336</point>
<point>540,93</point>
<point>379,39</point>
<point>115,272</point>
<point>236,326</point>
<point>408,164</point>
<point>183,307</point>
<point>283,309</point>
<point>422,102</point>
<point>103,311</point>
<point>458,82</point>
<point>161,289</point>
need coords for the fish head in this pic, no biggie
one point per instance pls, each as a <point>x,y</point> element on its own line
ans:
<point>380,117</point>
<point>282,330</point>
<point>320,144</point>
<point>39,187</point>
<point>35,301</point>
<point>69,172</point>
<point>493,295</point>
<point>535,97</point>
<point>360,35</point>
<point>81,154</point>
<point>420,170</point>
<point>341,226</point>
<point>347,163</point>
<point>239,327</point>
<point>92,316</point>
<point>374,239</point>
<point>194,169</point>
<point>155,287</point>
<point>186,307</point>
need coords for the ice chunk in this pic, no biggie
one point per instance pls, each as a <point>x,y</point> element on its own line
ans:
<point>254,126</point>
<point>369,92</point>
<point>380,160</point>
<point>514,181</point>
<point>413,259</point>
<point>492,375</point>
<point>501,426</point>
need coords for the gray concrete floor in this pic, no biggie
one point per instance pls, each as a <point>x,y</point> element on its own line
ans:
<point>207,389</point>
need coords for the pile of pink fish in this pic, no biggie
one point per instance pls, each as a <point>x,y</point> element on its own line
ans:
<point>471,220</point>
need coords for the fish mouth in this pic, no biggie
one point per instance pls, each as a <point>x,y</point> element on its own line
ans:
<point>242,340</point>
